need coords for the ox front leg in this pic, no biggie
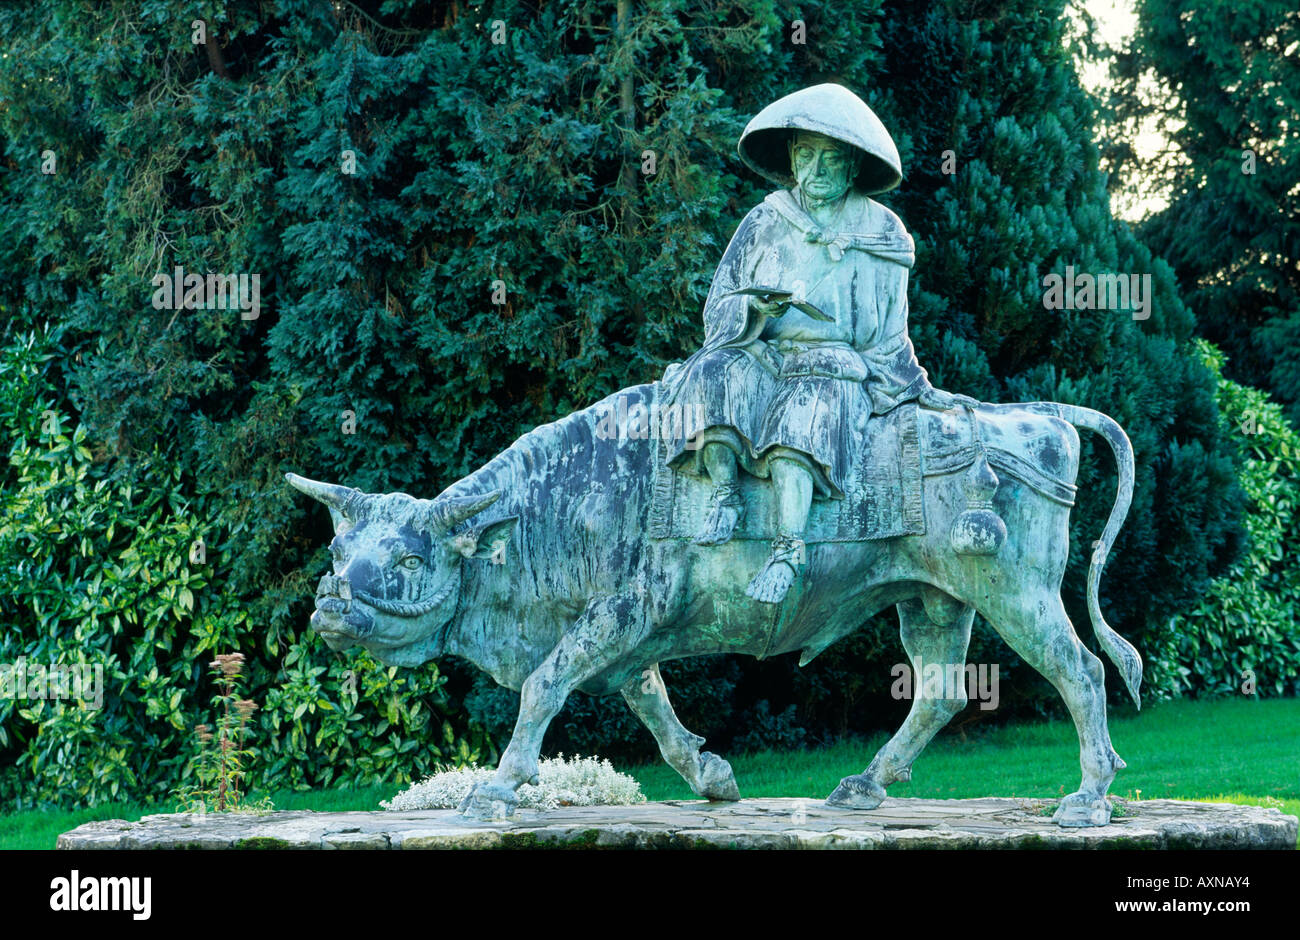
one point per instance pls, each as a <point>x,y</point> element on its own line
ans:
<point>708,774</point>
<point>606,632</point>
<point>934,631</point>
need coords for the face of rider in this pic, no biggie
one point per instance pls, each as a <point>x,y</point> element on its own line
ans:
<point>822,167</point>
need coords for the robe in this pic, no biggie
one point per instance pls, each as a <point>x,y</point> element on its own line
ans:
<point>793,385</point>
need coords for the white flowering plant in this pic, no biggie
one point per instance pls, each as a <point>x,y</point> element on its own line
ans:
<point>579,781</point>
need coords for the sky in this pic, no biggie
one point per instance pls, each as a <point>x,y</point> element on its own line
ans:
<point>1116,21</point>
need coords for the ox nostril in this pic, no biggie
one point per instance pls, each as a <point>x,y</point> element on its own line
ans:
<point>334,595</point>
<point>333,605</point>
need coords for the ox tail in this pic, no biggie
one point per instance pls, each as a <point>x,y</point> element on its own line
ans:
<point>1121,651</point>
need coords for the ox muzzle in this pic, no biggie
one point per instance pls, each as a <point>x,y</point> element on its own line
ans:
<point>335,613</point>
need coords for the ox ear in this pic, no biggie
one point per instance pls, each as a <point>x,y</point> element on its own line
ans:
<point>447,512</point>
<point>487,541</point>
<point>343,501</point>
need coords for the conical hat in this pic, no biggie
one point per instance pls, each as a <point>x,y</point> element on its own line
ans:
<point>828,109</point>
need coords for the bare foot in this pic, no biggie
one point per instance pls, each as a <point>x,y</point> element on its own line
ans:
<point>773,581</point>
<point>771,584</point>
<point>723,517</point>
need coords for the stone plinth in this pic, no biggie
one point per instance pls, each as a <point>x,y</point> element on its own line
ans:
<point>748,824</point>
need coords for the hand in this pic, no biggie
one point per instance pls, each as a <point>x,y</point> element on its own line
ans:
<point>769,308</point>
<point>939,400</point>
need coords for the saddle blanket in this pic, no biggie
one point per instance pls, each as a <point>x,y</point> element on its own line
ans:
<point>882,499</point>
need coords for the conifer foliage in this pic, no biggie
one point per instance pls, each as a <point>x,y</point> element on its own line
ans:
<point>1221,80</point>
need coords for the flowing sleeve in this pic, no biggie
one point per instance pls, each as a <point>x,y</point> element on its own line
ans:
<point>729,319</point>
<point>895,375</point>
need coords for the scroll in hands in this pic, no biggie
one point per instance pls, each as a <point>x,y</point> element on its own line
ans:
<point>774,301</point>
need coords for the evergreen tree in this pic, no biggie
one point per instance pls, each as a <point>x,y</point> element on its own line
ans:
<point>1228,75</point>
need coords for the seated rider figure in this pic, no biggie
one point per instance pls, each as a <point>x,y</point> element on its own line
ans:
<point>805,323</point>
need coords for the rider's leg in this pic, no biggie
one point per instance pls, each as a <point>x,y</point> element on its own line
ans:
<point>794,490</point>
<point>720,462</point>
<point>726,508</point>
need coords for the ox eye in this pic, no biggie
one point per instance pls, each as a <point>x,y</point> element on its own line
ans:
<point>411,562</point>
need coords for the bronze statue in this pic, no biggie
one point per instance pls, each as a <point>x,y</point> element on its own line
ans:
<point>805,323</point>
<point>582,556</point>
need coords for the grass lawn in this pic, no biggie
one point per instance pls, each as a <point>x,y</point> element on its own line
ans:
<point>1225,751</point>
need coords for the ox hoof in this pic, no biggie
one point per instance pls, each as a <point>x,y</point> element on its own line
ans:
<point>717,781</point>
<point>488,801</point>
<point>857,792</point>
<point>1078,810</point>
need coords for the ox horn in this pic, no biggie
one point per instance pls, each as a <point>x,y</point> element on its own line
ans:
<point>449,511</point>
<point>341,500</point>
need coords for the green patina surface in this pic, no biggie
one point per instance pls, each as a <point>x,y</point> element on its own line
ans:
<point>824,479</point>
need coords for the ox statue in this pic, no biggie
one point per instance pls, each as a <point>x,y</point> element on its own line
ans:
<point>793,477</point>
<point>553,569</point>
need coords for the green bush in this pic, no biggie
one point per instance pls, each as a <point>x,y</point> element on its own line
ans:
<point>1247,623</point>
<point>102,569</point>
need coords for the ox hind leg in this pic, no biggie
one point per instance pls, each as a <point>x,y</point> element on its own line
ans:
<point>708,774</point>
<point>608,630</point>
<point>1036,626</point>
<point>935,630</point>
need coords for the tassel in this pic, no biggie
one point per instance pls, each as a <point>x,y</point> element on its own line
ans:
<point>978,530</point>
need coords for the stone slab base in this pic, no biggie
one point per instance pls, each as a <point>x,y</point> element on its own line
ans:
<point>748,824</point>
